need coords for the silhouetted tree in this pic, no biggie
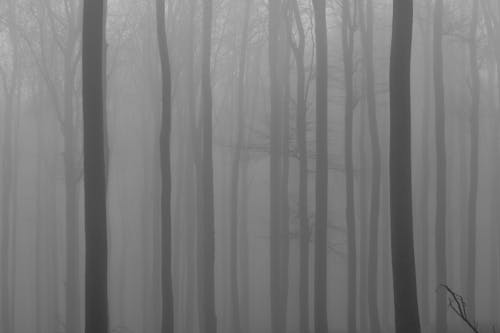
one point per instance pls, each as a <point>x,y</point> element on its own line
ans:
<point>96,277</point>
<point>403,258</point>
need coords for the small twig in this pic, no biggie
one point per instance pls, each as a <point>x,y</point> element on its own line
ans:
<point>457,303</point>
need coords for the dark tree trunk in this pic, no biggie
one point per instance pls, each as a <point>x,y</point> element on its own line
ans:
<point>403,258</point>
<point>96,288</point>
<point>440,226</point>
<point>321,227</point>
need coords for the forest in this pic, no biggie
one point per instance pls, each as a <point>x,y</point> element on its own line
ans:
<point>249,166</point>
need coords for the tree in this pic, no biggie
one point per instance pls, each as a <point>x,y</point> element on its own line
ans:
<point>166,182</point>
<point>440,226</point>
<point>10,85</point>
<point>235,173</point>
<point>207,310</point>
<point>96,277</point>
<point>366,27</point>
<point>348,55</point>
<point>403,258</point>
<point>474,159</point>
<point>298,52</point>
<point>425,168</point>
<point>320,259</point>
<point>275,163</point>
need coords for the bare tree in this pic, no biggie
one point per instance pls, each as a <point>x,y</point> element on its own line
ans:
<point>403,258</point>
<point>96,276</point>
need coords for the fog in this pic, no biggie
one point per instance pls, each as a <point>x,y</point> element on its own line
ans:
<point>244,162</point>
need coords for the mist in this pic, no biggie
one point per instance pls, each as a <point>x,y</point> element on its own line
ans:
<point>249,166</point>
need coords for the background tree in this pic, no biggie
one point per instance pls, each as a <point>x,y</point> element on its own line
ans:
<point>440,226</point>
<point>166,234</point>
<point>320,257</point>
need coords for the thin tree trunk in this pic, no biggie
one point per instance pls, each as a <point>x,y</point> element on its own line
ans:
<point>298,51</point>
<point>440,226</point>
<point>367,37</point>
<point>208,307</point>
<point>321,228</point>
<point>275,14</point>
<point>235,175</point>
<point>424,192</point>
<point>474,161</point>
<point>167,322</point>
<point>348,53</point>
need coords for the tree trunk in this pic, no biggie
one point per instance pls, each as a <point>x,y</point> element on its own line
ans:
<point>209,321</point>
<point>276,86</point>
<point>298,51</point>
<point>367,42</point>
<point>167,317</point>
<point>440,226</point>
<point>403,258</point>
<point>321,228</point>
<point>424,191</point>
<point>348,53</point>
<point>96,289</point>
<point>7,172</point>
<point>235,175</point>
<point>474,160</point>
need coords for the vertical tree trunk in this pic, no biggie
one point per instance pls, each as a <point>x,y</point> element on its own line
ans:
<point>298,51</point>
<point>321,228</point>
<point>209,321</point>
<point>96,289</point>
<point>367,42</point>
<point>235,174</point>
<point>403,258</point>
<point>285,175</point>
<point>7,171</point>
<point>167,317</point>
<point>424,192</point>
<point>474,160</point>
<point>440,226</point>
<point>275,17</point>
<point>348,53</point>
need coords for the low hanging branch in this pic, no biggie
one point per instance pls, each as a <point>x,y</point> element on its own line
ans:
<point>457,304</point>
